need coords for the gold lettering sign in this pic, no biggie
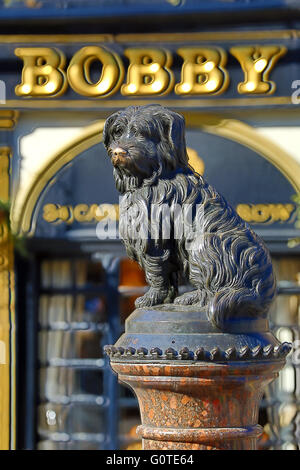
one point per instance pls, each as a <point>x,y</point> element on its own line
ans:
<point>111,77</point>
<point>265,213</point>
<point>42,73</point>
<point>257,63</point>
<point>56,214</point>
<point>148,72</point>
<point>202,71</point>
<point>93,213</point>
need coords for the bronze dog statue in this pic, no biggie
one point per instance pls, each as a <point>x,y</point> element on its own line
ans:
<point>226,262</point>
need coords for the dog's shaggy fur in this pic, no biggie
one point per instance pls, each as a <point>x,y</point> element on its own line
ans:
<point>228,264</point>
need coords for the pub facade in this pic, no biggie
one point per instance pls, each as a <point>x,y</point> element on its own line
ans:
<point>233,70</point>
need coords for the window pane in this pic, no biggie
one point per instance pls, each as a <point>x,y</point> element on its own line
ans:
<point>69,345</point>
<point>69,419</point>
<point>88,273</point>
<point>67,382</point>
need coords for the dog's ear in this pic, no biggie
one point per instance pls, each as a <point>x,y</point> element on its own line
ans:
<point>173,130</point>
<point>108,123</point>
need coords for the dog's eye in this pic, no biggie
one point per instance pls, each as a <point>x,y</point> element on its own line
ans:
<point>117,132</point>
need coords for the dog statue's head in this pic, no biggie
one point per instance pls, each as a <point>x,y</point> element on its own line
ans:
<point>144,142</point>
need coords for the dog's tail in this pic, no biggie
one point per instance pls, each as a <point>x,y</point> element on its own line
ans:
<point>232,304</point>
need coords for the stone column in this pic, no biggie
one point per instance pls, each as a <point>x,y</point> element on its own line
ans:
<point>198,387</point>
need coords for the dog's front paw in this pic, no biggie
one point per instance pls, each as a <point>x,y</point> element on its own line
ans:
<point>152,297</point>
<point>194,297</point>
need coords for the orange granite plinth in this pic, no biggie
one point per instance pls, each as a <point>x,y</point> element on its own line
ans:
<point>198,406</point>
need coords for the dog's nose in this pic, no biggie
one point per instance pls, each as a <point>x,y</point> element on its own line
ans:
<point>119,152</point>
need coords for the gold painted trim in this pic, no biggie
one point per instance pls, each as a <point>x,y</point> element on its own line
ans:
<point>22,216</point>
<point>7,317</point>
<point>209,36</point>
<point>152,37</point>
<point>8,119</point>
<point>246,135</point>
<point>175,103</point>
<point>54,38</point>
